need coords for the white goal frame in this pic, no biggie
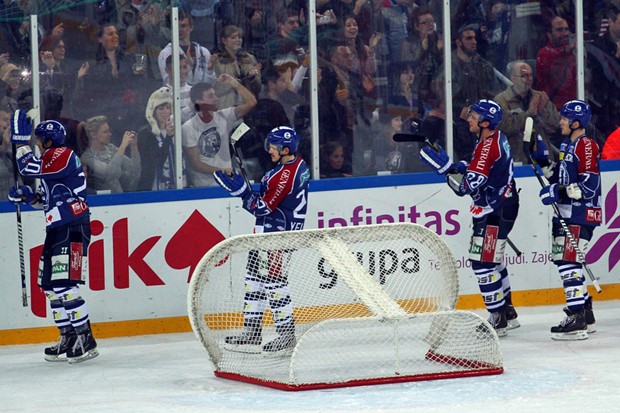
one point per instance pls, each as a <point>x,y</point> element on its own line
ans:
<point>408,329</point>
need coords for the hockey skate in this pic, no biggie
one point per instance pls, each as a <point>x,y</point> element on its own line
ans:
<point>249,341</point>
<point>282,345</point>
<point>82,347</point>
<point>573,327</point>
<point>499,322</point>
<point>511,318</point>
<point>58,351</point>
<point>590,320</point>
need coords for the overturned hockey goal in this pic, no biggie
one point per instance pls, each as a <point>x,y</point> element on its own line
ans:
<point>372,304</point>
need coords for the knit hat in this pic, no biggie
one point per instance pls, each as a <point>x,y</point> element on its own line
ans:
<point>158,98</point>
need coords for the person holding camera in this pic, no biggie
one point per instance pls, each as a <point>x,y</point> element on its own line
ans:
<point>109,169</point>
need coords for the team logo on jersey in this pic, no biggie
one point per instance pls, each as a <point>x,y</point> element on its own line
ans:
<point>209,143</point>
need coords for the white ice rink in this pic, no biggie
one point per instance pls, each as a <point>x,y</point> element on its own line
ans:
<point>171,373</point>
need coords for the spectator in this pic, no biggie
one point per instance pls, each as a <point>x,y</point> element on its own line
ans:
<point>267,114</point>
<point>495,33</point>
<point>258,24</point>
<point>110,85</point>
<point>241,65</point>
<point>16,33</point>
<point>333,163</point>
<point>6,154</point>
<point>395,17</point>
<point>286,43</point>
<point>389,156</point>
<point>55,73</point>
<point>11,76</point>
<point>278,86</point>
<point>364,62</point>
<point>197,56</point>
<point>470,13</point>
<point>109,168</point>
<point>187,109</point>
<point>156,144</point>
<point>206,135</point>
<point>604,74</point>
<point>144,30</point>
<point>473,78</point>
<point>52,103</point>
<point>611,150</point>
<point>424,49</point>
<point>405,94</point>
<point>519,102</point>
<point>371,22</point>
<point>363,53</point>
<point>348,89</point>
<point>556,65</point>
<point>433,125</point>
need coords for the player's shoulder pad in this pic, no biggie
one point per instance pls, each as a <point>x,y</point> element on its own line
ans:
<point>587,151</point>
<point>56,159</point>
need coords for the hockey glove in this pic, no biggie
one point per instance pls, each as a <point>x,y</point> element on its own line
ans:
<point>459,167</point>
<point>22,194</point>
<point>539,150</point>
<point>21,128</point>
<point>438,159</point>
<point>549,194</point>
<point>234,184</point>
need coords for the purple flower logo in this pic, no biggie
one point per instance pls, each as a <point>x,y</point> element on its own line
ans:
<point>609,240</point>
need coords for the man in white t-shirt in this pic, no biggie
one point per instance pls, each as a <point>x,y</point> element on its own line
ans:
<point>206,135</point>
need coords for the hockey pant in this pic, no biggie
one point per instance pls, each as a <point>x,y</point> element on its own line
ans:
<point>61,269</point>
<point>486,254</point>
<point>566,260</point>
<point>266,285</point>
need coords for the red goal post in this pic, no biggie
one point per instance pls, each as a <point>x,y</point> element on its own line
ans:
<point>372,304</point>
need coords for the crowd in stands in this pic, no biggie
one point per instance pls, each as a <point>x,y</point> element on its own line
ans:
<point>106,74</point>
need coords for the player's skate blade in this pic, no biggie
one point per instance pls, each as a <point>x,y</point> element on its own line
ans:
<point>58,351</point>
<point>243,348</point>
<point>90,354</point>
<point>511,316</point>
<point>82,347</point>
<point>281,346</point>
<point>573,327</point>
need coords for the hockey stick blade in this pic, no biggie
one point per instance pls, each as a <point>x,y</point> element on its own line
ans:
<point>527,132</point>
<point>239,132</point>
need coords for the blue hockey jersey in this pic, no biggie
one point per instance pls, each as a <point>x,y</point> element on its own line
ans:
<point>579,163</point>
<point>63,183</point>
<point>283,199</point>
<point>489,177</point>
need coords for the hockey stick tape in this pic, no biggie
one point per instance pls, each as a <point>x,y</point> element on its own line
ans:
<point>239,132</point>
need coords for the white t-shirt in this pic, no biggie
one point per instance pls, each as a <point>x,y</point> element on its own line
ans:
<point>212,140</point>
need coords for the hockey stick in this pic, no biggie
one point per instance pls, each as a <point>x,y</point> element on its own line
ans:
<point>410,137</point>
<point>20,236</point>
<point>234,138</point>
<point>527,132</point>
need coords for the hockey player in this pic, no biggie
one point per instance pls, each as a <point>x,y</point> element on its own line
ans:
<point>575,185</point>
<point>279,206</point>
<point>62,196</point>
<point>488,179</point>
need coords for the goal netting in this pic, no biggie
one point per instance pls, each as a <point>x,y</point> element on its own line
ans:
<point>371,304</point>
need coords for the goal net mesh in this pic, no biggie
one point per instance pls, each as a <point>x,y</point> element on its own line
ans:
<point>371,304</point>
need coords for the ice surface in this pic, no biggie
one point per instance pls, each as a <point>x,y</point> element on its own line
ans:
<point>172,373</point>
